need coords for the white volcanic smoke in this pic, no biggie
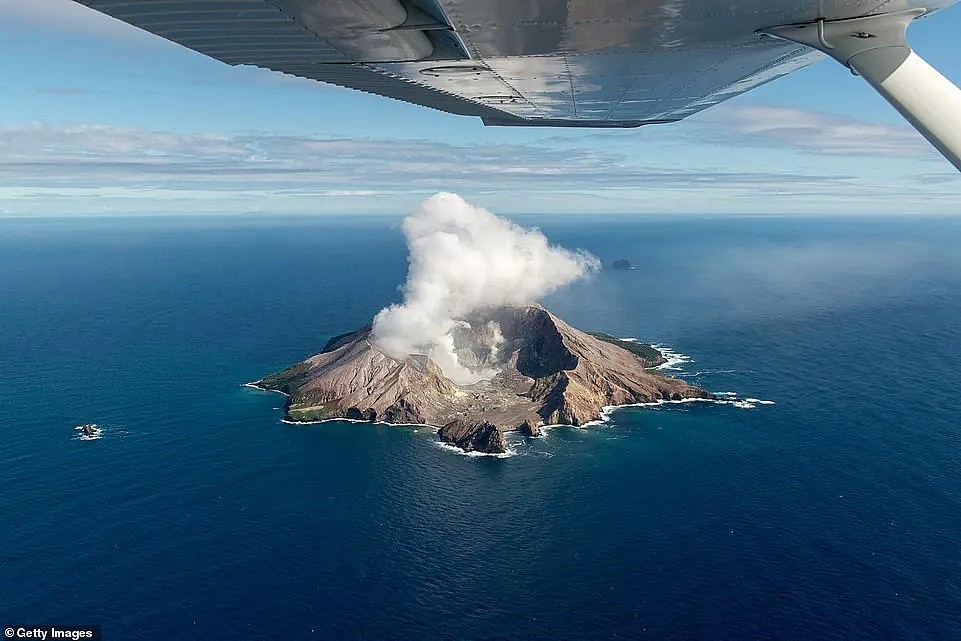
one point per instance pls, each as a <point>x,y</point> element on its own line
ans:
<point>464,258</point>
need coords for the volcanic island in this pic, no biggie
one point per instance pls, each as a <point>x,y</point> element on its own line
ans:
<point>543,372</point>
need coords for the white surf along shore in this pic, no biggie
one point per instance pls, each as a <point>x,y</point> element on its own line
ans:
<point>432,428</point>
<point>97,433</point>
<point>675,363</point>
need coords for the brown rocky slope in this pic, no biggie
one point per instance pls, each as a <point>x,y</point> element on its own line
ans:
<point>544,372</point>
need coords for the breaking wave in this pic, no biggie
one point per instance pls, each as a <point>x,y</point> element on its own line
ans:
<point>675,360</point>
<point>511,450</point>
<point>97,433</point>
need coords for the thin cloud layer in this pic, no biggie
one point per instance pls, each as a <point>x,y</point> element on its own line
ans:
<point>89,155</point>
<point>815,132</point>
<point>81,168</point>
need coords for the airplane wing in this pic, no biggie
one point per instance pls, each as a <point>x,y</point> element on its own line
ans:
<point>578,62</point>
<point>585,63</point>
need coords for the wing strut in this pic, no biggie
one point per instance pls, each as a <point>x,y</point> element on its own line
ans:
<point>875,48</point>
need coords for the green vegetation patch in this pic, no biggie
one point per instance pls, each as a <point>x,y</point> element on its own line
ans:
<point>287,380</point>
<point>650,355</point>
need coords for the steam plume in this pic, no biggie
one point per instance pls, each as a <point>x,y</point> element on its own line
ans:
<point>464,258</point>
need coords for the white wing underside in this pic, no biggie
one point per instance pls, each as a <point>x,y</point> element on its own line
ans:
<point>591,63</point>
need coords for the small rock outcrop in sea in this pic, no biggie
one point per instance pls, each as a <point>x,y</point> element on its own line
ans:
<point>476,437</point>
<point>530,429</point>
<point>623,265</point>
<point>545,372</point>
<point>88,430</point>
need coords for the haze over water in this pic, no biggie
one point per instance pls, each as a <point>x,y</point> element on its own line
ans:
<point>832,514</point>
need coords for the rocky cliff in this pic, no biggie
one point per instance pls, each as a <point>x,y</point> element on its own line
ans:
<point>543,370</point>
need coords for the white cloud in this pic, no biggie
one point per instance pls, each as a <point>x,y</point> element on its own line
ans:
<point>43,153</point>
<point>814,132</point>
<point>463,259</point>
<point>146,170</point>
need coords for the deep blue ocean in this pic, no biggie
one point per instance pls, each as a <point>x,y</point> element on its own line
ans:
<point>833,514</point>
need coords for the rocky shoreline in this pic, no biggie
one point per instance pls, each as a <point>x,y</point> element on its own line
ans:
<point>546,373</point>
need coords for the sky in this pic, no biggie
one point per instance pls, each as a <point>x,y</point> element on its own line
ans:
<point>98,117</point>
